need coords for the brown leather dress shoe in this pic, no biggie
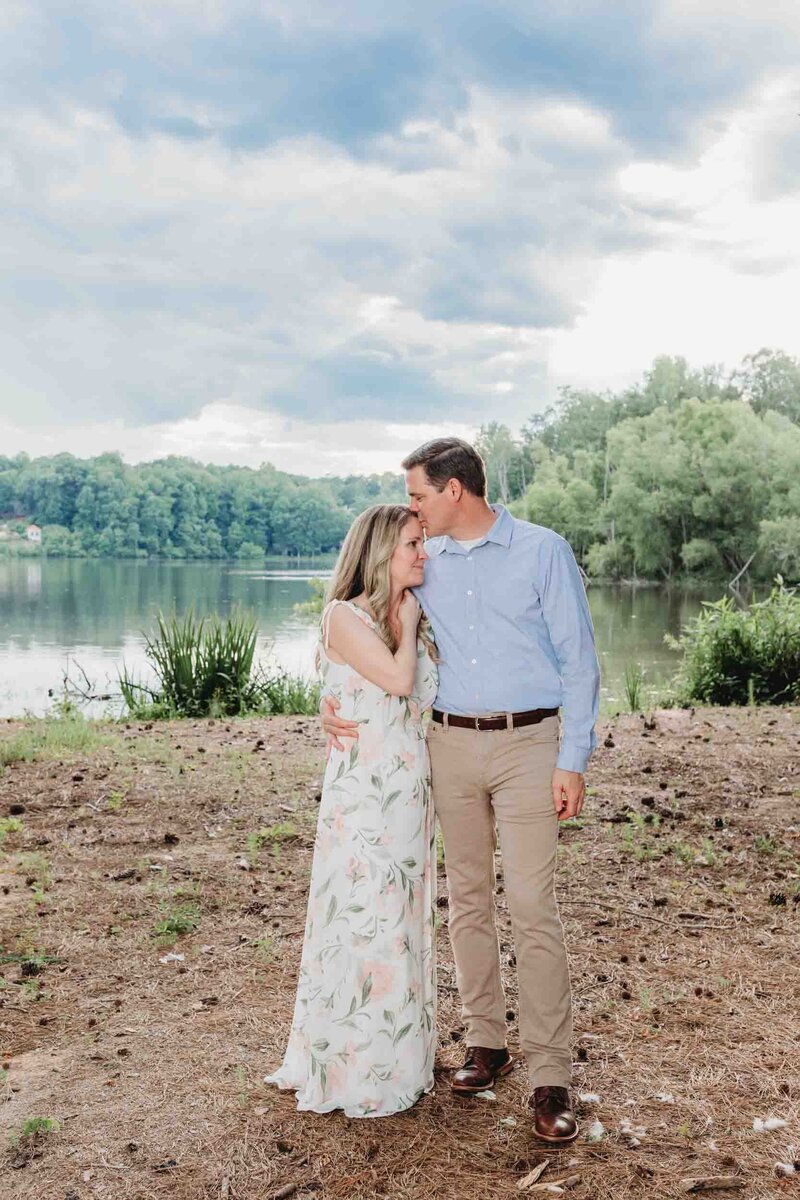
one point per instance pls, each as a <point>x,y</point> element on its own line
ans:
<point>481,1068</point>
<point>553,1118</point>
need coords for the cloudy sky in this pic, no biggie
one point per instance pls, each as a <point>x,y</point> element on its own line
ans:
<point>316,232</point>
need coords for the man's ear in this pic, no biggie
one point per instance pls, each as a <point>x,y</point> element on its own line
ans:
<point>455,488</point>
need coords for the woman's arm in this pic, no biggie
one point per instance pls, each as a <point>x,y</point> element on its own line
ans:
<point>367,653</point>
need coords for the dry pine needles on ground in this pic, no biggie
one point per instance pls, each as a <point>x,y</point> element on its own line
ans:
<point>152,902</point>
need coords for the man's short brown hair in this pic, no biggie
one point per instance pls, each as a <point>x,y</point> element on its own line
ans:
<point>450,458</point>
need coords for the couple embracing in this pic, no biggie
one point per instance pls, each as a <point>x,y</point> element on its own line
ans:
<point>486,623</point>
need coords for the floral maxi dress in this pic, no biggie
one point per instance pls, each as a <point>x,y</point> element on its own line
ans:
<point>363,1034</point>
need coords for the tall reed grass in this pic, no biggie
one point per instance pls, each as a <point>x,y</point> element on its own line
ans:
<point>205,666</point>
<point>634,686</point>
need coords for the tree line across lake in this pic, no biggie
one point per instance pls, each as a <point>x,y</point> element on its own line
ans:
<point>690,473</point>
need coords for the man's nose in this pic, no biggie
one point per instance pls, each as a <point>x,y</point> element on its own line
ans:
<point>414,506</point>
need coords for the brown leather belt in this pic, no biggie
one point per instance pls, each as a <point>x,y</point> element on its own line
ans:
<point>533,717</point>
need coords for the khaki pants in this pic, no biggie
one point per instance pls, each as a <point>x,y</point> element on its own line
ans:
<point>503,779</point>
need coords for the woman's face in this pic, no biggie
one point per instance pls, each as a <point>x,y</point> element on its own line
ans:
<point>407,564</point>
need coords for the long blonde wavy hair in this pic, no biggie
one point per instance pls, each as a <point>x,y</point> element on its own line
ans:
<point>363,566</point>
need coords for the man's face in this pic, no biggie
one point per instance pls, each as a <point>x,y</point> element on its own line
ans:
<point>435,509</point>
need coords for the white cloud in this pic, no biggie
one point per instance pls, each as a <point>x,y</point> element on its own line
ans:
<point>674,303</point>
<point>162,274</point>
<point>719,203</point>
<point>230,434</point>
<point>725,279</point>
<point>170,295</point>
<point>729,18</point>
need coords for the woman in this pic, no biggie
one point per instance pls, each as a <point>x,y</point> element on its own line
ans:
<point>363,1034</point>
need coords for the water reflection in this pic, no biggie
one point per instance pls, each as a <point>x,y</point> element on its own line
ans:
<point>93,612</point>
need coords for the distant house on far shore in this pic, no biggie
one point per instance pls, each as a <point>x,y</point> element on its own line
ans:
<point>33,533</point>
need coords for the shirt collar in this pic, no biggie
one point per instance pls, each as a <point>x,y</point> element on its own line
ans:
<point>500,533</point>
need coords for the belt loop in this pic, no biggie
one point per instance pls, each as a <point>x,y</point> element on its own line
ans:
<point>509,721</point>
<point>445,721</point>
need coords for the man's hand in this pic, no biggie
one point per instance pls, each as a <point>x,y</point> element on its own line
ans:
<point>334,726</point>
<point>569,789</point>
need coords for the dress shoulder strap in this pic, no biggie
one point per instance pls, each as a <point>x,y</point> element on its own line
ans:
<point>326,621</point>
<point>326,617</point>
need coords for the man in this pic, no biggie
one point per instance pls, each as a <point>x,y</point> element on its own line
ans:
<point>509,614</point>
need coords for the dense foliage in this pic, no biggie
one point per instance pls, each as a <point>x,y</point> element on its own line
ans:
<point>743,656</point>
<point>177,508</point>
<point>690,473</point>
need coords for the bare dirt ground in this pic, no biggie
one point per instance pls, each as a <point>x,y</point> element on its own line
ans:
<point>679,893</point>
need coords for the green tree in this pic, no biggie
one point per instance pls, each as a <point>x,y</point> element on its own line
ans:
<point>770,381</point>
<point>505,462</point>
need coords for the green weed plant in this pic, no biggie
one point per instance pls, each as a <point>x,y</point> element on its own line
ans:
<point>734,656</point>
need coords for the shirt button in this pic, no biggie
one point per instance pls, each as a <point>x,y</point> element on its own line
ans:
<point>469,593</point>
<point>472,626</point>
<point>469,558</point>
<point>474,661</point>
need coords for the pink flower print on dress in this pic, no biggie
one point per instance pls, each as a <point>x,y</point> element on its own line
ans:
<point>370,746</point>
<point>401,945</point>
<point>349,1053</point>
<point>356,870</point>
<point>384,901</point>
<point>408,759</point>
<point>414,711</point>
<point>335,1078</point>
<point>351,685</point>
<point>415,990</point>
<point>382,978</point>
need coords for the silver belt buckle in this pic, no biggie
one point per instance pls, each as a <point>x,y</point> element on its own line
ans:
<point>477,724</point>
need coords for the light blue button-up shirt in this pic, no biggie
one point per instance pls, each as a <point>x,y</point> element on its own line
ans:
<point>513,629</point>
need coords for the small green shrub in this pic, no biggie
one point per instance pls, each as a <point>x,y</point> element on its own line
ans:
<point>50,737</point>
<point>291,694</point>
<point>634,840</point>
<point>265,948</point>
<point>735,656</point>
<point>273,835</point>
<point>314,605</point>
<point>9,825</point>
<point>684,853</point>
<point>184,918</point>
<point>31,961</point>
<point>33,1129</point>
<point>36,870</point>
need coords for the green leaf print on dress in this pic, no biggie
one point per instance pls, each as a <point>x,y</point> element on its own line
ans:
<point>363,1032</point>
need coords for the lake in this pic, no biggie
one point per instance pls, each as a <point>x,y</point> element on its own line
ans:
<point>57,614</point>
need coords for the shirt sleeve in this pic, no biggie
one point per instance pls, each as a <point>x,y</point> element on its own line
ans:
<point>566,614</point>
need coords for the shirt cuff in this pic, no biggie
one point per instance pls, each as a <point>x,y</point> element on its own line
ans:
<point>573,758</point>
